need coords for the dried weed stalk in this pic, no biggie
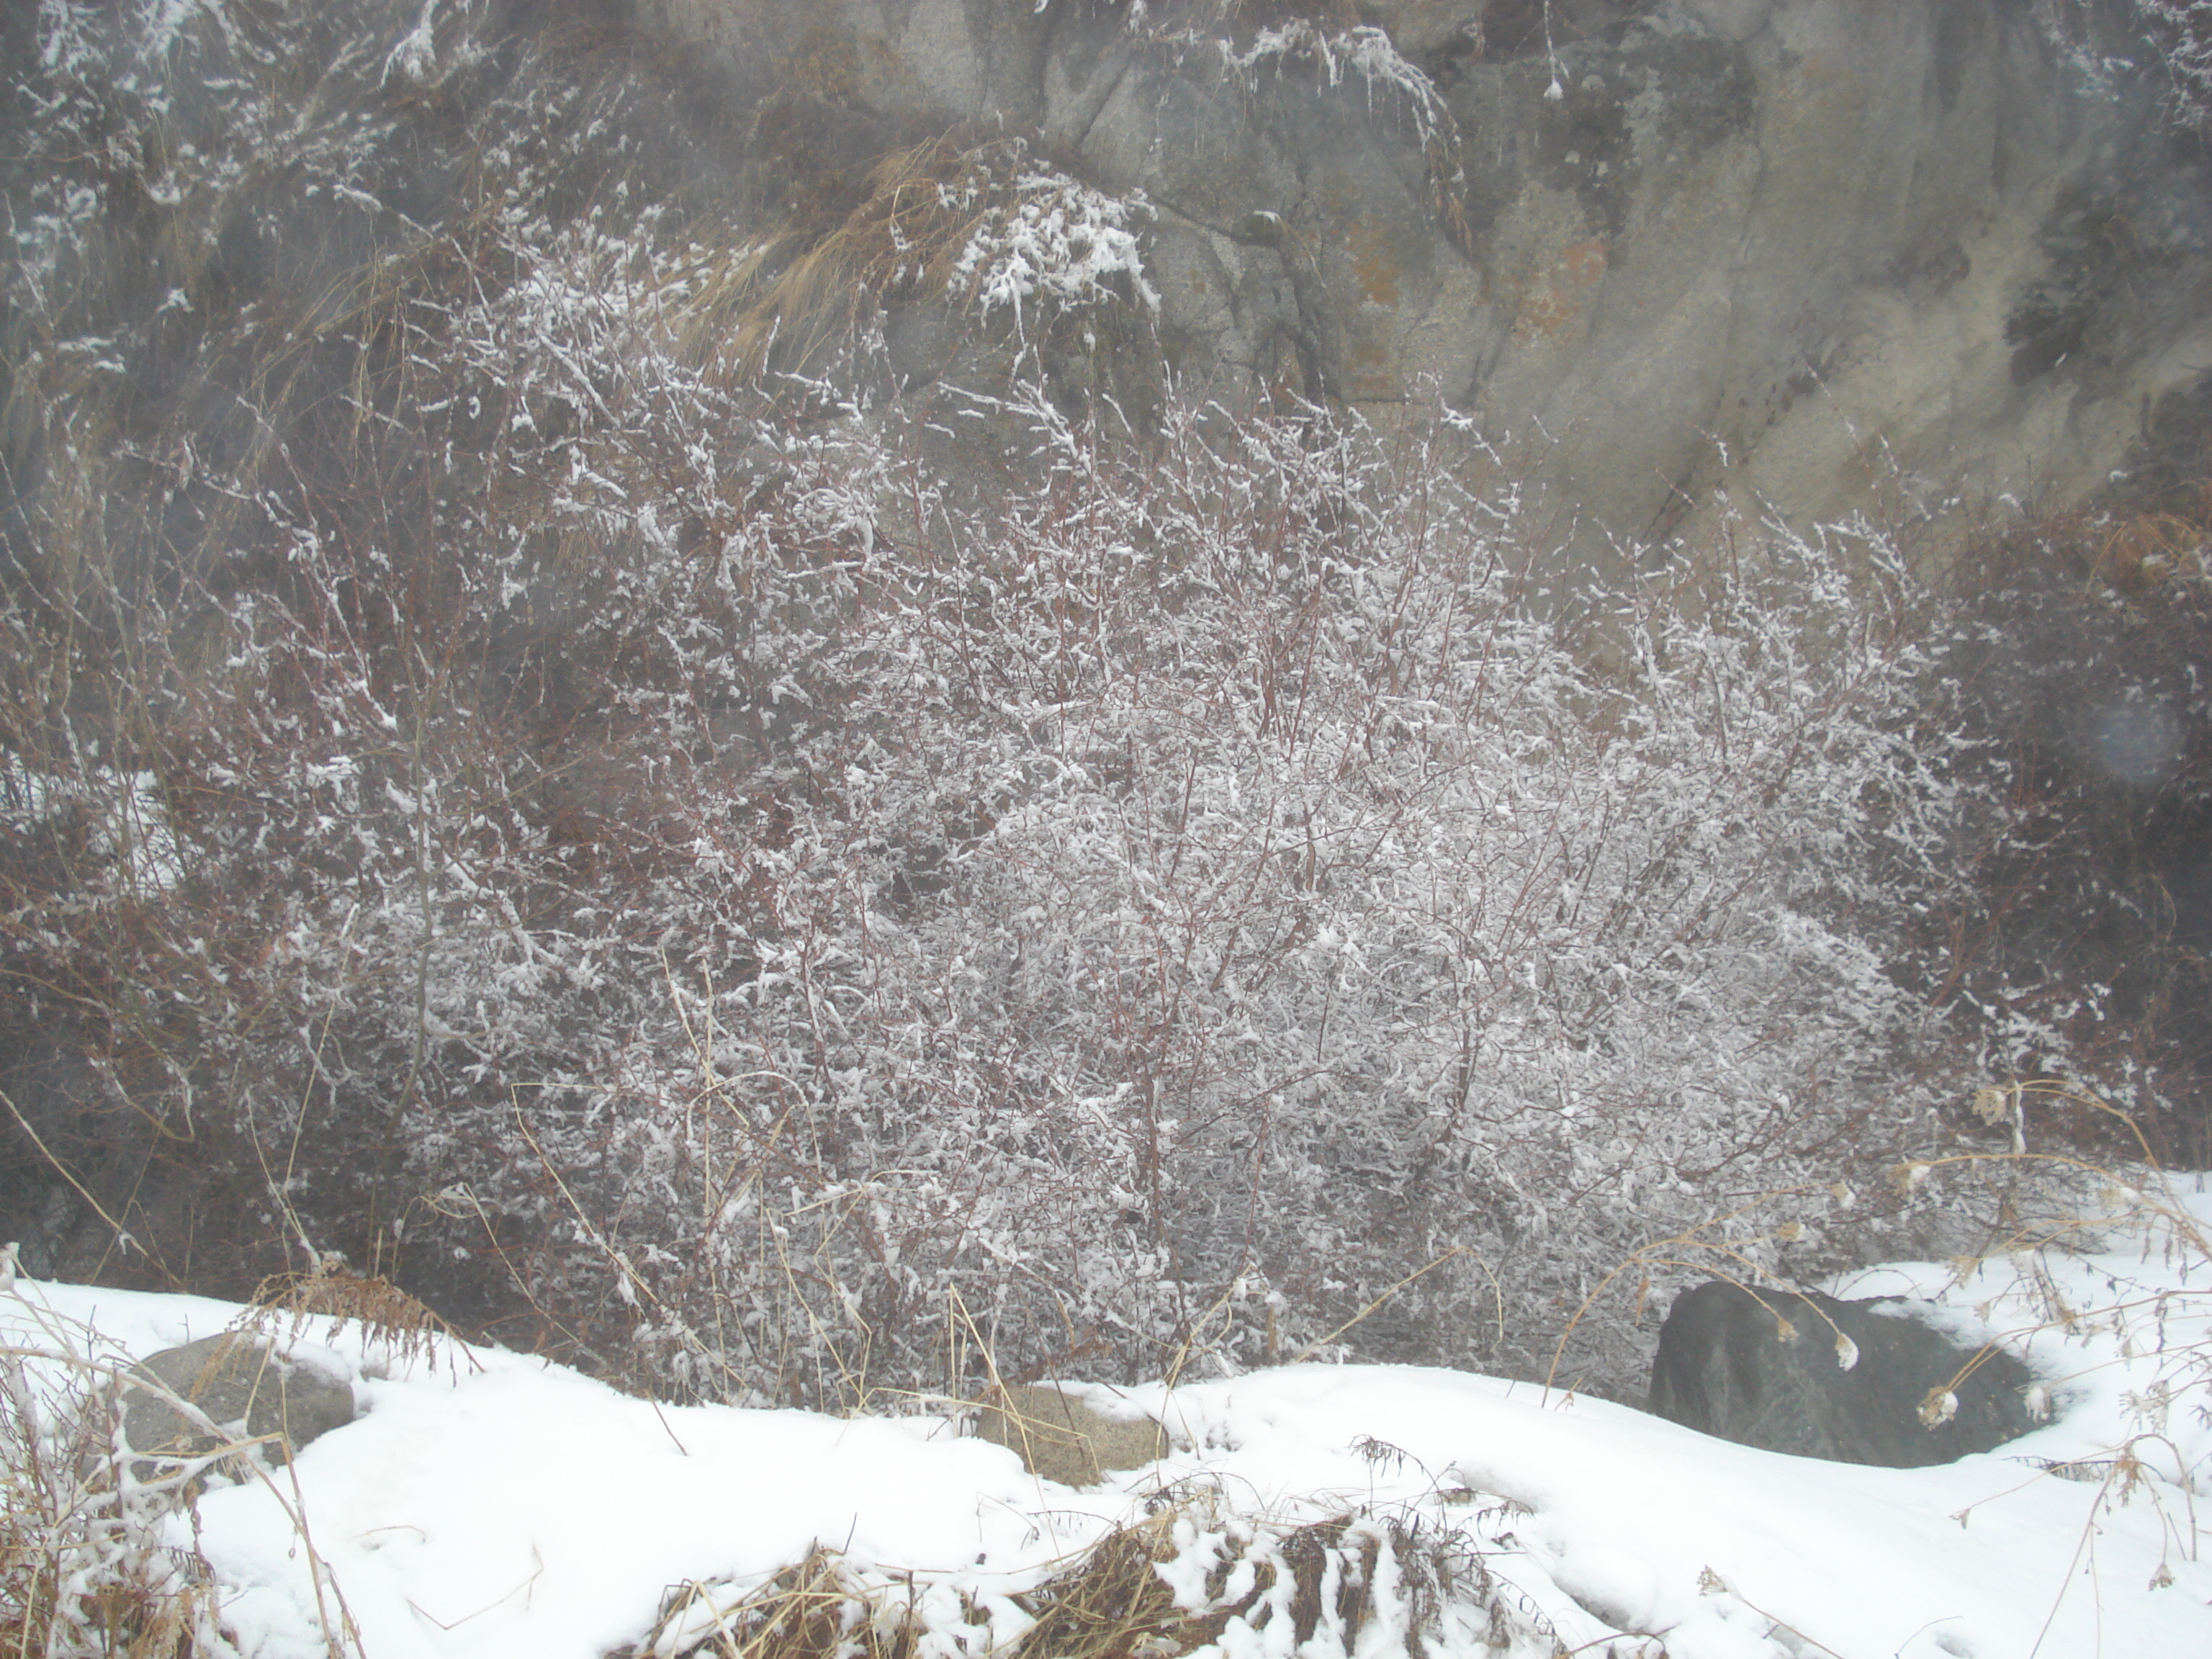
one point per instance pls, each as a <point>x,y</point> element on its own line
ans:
<point>385,1316</point>
<point>97,1560</point>
<point>1185,1578</point>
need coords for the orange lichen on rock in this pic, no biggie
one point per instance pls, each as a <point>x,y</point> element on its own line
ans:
<point>1375,262</point>
<point>1557,297</point>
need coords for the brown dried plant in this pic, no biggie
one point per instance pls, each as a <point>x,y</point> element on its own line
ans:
<point>380,1310</point>
<point>821,1608</point>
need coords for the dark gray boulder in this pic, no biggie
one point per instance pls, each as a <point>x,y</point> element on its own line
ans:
<point>1766,1370</point>
<point>242,1385</point>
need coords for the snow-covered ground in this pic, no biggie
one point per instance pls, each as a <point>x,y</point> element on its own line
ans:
<point>492,1505</point>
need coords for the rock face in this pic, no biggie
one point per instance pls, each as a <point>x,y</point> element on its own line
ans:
<point>1831,255</point>
<point>1058,1435</point>
<point>241,1384</point>
<point>1726,1368</point>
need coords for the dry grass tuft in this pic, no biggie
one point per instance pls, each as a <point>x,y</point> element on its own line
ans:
<point>2140,551</point>
<point>335,1292</point>
<point>788,301</point>
<point>792,303</point>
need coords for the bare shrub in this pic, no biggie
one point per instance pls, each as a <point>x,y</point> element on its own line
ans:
<point>1236,825</point>
<point>2182,31</point>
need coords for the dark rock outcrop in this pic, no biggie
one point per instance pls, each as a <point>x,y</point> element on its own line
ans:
<point>1767,1370</point>
<point>243,1386</point>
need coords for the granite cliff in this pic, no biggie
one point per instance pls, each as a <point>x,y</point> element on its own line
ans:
<point>1824,255</point>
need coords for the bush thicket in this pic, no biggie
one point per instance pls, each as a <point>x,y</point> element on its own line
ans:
<point>519,773</point>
